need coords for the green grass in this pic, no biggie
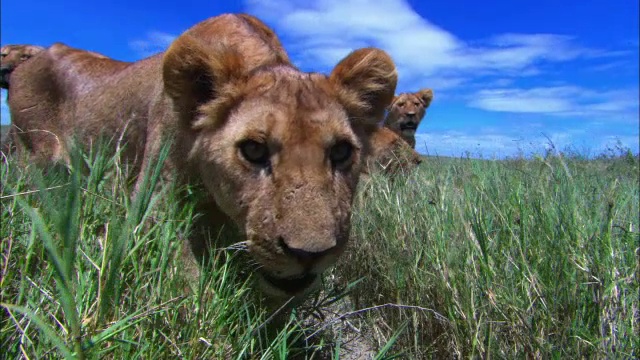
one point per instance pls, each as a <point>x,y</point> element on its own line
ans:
<point>465,259</point>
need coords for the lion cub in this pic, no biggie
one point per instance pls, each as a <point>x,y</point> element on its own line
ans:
<point>278,151</point>
<point>406,112</point>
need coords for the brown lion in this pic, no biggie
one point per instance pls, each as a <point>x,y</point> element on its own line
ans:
<point>406,112</point>
<point>64,91</point>
<point>13,55</point>
<point>391,155</point>
<point>279,151</point>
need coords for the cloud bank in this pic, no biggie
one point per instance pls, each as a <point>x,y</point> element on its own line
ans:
<point>322,32</point>
<point>566,101</point>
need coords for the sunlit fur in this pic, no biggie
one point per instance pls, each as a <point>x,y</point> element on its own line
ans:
<point>391,155</point>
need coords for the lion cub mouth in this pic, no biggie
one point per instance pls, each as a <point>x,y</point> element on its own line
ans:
<point>411,126</point>
<point>4,79</point>
<point>291,285</point>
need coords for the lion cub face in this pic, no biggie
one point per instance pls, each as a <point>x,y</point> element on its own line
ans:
<point>281,151</point>
<point>13,55</point>
<point>285,170</point>
<point>407,111</point>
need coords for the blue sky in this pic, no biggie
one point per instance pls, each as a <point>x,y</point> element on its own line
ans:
<point>507,75</point>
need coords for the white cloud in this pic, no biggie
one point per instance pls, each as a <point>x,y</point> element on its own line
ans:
<point>496,145</point>
<point>561,101</point>
<point>320,33</point>
<point>153,43</point>
<point>618,65</point>
<point>455,143</point>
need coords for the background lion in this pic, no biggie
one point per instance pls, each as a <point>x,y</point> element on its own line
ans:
<point>279,151</point>
<point>406,112</point>
<point>13,55</point>
<point>391,155</point>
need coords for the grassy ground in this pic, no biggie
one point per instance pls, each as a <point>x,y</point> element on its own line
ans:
<point>465,259</point>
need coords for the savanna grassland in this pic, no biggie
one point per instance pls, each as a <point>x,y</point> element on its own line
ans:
<point>531,258</point>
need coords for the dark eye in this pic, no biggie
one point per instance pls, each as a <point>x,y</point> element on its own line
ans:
<point>340,152</point>
<point>3,55</point>
<point>416,103</point>
<point>255,152</point>
<point>24,57</point>
<point>400,104</point>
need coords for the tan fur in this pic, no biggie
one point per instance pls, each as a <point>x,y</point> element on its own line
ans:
<point>13,55</point>
<point>63,92</point>
<point>224,91</point>
<point>391,155</point>
<point>406,112</point>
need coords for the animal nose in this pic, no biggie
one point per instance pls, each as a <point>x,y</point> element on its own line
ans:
<point>304,256</point>
<point>411,114</point>
<point>5,70</point>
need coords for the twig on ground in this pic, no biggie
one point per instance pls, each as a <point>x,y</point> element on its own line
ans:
<point>32,191</point>
<point>356,312</point>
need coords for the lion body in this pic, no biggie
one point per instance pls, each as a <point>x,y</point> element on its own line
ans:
<point>278,151</point>
<point>391,155</point>
<point>64,92</point>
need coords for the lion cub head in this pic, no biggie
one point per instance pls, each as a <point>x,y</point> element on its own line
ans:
<point>406,112</point>
<point>13,55</point>
<point>279,150</point>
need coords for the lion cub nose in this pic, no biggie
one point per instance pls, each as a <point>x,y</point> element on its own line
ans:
<point>305,256</point>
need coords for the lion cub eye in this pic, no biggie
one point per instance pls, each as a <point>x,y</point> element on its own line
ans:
<point>254,152</point>
<point>24,57</point>
<point>340,152</point>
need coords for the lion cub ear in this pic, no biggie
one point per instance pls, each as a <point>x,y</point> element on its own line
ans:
<point>426,95</point>
<point>366,82</point>
<point>194,74</point>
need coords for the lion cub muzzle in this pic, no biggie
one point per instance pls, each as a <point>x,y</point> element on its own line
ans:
<point>307,258</point>
<point>302,270</point>
<point>409,123</point>
<point>307,233</point>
